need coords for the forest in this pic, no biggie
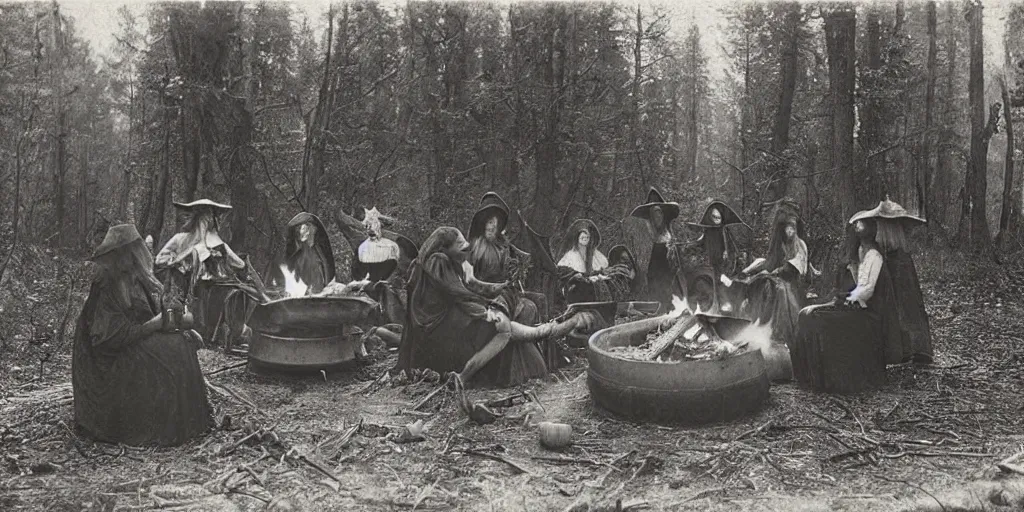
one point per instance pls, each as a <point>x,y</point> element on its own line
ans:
<point>567,109</point>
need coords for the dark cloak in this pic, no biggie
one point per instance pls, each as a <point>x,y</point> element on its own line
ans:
<point>915,331</point>
<point>134,389</point>
<point>883,308</point>
<point>446,325</point>
<point>492,262</point>
<point>314,265</point>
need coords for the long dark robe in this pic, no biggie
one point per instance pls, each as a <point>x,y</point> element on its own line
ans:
<point>446,325</point>
<point>662,282</point>
<point>135,389</point>
<point>492,263</point>
<point>718,241</point>
<point>915,331</point>
<point>576,287</point>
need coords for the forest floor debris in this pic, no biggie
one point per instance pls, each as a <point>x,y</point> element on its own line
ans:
<point>932,436</point>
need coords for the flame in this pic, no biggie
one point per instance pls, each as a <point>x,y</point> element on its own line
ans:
<point>293,285</point>
<point>678,307</point>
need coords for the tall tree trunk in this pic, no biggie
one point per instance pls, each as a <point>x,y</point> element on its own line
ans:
<point>924,198</point>
<point>693,125</point>
<point>163,185</point>
<point>977,176</point>
<point>1008,205</point>
<point>126,179</point>
<point>746,107</point>
<point>870,177</point>
<point>313,152</point>
<point>943,168</point>
<point>840,39</point>
<point>787,91</point>
<point>548,149</point>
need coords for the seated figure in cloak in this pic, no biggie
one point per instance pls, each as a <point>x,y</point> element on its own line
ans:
<point>580,264</point>
<point>776,291</point>
<point>377,257</point>
<point>914,342</point>
<point>451,328</point>
<point>621,274</point>
<point>494,259</point>
<point>308,255</point>
<point>649,236</point>
<point>135,375</point>
<point>198,266</point>
<point>704,281</point>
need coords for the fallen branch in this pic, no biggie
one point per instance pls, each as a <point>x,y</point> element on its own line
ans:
<point>499,458</point>
<point>431,395</point>
<point>227,368</point>
<point>567,460</point>
<point>135,485</point>
<point>1008,465</point>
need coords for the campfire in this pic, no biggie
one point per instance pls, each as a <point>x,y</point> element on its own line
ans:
<point>294,287</point>
<point>686,334</point>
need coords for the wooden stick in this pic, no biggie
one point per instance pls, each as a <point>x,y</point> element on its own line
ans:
<point>1008,465</point>
<point>226,368</point>
<point>498,458</point>
<point>427,398</point>
<point>668,338</point>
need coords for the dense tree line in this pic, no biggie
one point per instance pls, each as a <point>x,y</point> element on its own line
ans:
<point>568,109</point>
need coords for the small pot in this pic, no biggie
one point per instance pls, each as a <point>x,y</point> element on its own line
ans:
<point>555,436</point>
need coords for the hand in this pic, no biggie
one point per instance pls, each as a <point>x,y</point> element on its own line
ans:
<point>594,278</point>
<point>187,320</point>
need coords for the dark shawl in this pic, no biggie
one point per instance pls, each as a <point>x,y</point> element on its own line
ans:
<point>130,388</point>
<point>446,325</point>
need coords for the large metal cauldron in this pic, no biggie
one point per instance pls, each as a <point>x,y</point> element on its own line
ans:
<point>683,392</point>
<point>307,333</point>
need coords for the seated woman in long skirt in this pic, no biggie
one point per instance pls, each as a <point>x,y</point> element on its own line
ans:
<point>776,293</point>
<point>581,263</point>
<point>135,375</point>
<point>841,345</point>
<point>451,328</point>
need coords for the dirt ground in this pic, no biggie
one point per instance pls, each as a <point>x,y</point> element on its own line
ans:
<point>930,440</point>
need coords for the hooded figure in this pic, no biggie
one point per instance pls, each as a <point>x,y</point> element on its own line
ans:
<point>621,272</point>
<point>649,234</point>
<point>308,255</point>
<point>451,328</point>
<point>776,293</point>
<point>580,264</point>
<point>892,222</point>
<point>202,267</point>
<point>494,259</point>
<point>135,375</point>
<point>719,246</point>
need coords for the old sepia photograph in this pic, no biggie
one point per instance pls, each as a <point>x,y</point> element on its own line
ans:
<point>511,255</point>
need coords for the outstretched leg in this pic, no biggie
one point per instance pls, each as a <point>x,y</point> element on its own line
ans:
<point>490,351</point>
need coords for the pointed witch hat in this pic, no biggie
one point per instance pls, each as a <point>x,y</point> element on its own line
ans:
<point>728,217</point>
<point>670,210</point>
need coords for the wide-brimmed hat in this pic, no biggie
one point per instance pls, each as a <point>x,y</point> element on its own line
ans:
<point>670,210</point>
<point>117,237</point>
<point>616,253</point>
<point>203,203</point>
<point>322,240</point>
<point>492,205</point>
<point>889,210</point>
<point>729,216</point>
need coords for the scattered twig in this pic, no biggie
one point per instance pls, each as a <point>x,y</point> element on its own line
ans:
<point>227,368</point>
<point>429,396</point>
<point>1008,465</point>
<point>499,458</point>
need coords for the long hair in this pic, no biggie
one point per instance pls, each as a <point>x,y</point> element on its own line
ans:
<point>781,249</point>
<point>442,238</point>
<point>856,240</point>
<point>572,241</point>
<point>891,236</point>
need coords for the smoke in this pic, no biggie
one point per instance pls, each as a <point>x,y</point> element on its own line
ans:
<point>776,354</point>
